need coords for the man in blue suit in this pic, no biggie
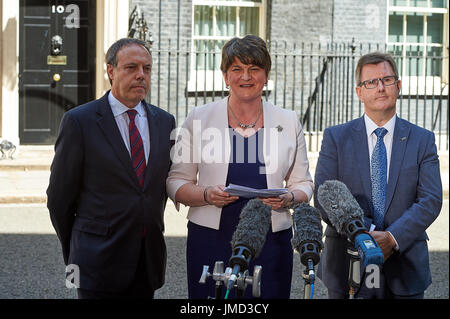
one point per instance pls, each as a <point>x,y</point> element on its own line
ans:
<point>107,190</point>
<point>391,167</point>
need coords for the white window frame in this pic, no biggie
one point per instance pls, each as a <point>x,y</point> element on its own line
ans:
<point>212,80</point>
<point>415,85</point>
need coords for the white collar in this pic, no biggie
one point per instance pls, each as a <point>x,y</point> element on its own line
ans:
<point>371,126</point>
<point>119,108</point>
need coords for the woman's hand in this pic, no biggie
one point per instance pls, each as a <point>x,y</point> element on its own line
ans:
<point>281,201</point>
<point>215,195</point>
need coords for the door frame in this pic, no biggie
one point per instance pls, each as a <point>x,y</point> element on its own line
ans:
<point>58,102</point>
<point>9,103</point>
<point>111,24</point>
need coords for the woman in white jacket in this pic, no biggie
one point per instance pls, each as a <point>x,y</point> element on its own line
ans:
<point>246,141</point>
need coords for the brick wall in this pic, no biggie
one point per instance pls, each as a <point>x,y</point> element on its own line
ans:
<point>364,20</point>
<point>301,21</point>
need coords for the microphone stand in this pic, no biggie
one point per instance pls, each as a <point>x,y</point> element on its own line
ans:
<point>241,281</point>
<point>354,272</point>
<point>218,290</point>
<point>309,256</point>
<point>240,293</point>
<point>309,277</point>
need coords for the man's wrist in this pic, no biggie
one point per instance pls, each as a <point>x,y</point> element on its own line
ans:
<point>394,243</point>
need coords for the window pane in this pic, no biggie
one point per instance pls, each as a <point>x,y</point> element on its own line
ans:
<point>418,3</point>
<point>434,61</point>
<point>395,27</point>
<point>203,20</point>
<point>396,51</point>
<point>249,21</point>
<point>414,60</point>
<point>435,28</point>
<point>414,27</point>
<point>400,3</point>
<point>207,54</point>
<point>438,3</point>
<point>225,21</point>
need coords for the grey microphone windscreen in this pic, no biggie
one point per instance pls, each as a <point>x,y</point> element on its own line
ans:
<point>339,204</point>
<point>254,223</point>
<point>307,226</point>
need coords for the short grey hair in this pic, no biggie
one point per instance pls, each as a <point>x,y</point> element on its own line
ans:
<point>374,58</point>
<point>111,54</point>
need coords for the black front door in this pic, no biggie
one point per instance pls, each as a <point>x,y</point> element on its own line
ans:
<point>56,64</point>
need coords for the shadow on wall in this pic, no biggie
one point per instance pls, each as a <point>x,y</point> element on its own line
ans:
<point>9,54</point>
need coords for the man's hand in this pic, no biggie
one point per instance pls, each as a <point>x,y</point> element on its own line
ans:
<point>386,242</point>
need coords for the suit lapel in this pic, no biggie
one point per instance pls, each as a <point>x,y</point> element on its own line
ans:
<point>400,139</point>
<point>108,125</point>
<point>361,151</point>
<point>153,129</point>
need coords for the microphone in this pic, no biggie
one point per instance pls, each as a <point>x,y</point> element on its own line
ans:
<point>307,239</point>
<point>346,216</point>
<point>249,236</point>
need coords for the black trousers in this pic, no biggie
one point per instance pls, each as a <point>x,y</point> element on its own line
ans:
<point>140,287</point>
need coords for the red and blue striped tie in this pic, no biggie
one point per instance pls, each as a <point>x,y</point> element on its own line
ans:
<point>137,149</point>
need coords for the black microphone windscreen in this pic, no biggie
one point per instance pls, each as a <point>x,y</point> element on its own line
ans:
<point>254,223</point>
<point>339,204</point>
<point>307,225</point>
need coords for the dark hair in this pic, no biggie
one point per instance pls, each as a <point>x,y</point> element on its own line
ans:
<point>111,54</point>
<point>374,58</point>
<point>249,50</point>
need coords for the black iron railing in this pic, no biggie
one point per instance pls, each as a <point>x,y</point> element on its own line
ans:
<point>315,80</point>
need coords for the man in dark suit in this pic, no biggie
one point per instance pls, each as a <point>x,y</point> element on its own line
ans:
<point>392,169</point>
<point>107,192</point>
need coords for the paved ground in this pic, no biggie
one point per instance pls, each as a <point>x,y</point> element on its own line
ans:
<point>31,264</point>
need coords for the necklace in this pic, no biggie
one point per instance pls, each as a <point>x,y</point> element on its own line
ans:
<point>242,125</point>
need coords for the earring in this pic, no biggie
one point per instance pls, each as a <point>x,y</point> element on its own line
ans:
<point>227,87</point>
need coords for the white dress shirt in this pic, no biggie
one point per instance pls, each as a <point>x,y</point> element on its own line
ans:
<point>121,116</point>
<point>388,138</point>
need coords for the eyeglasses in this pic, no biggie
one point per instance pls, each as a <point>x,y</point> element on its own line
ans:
<point>373,83</point>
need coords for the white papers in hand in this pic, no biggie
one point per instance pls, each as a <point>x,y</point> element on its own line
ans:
<point>248,192</point>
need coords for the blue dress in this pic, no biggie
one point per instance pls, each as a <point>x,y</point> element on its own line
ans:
<point>205,245</point>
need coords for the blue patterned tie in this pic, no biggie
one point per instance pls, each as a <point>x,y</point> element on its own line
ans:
<point>379,179</point>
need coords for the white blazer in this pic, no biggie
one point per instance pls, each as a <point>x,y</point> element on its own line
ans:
<point>202,153</point>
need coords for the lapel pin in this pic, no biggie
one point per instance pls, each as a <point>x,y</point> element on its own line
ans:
<point>279,128</point>
<point>403,138</point>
